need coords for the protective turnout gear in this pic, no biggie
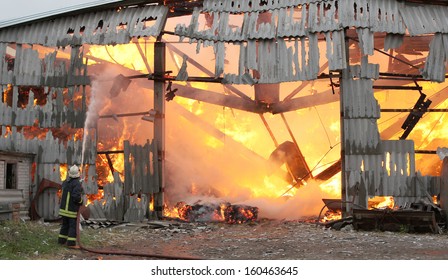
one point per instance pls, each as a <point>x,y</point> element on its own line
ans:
<point>71,200</point>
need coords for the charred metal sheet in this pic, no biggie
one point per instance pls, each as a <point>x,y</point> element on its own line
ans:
<point>322,17</point>
<point>393,41</point>
<point>276,62</point>
<point>98,28</point>
<point>389,172</point>
<point>362,136</point>
<point>425,19</point>
<point>435,66</point>
<point>49,150</point>
<point>289,26</point>
<point>137,209</point>
<point>242,6</point>
<point>47,204</point>
<point>319,16</point>
<point>336,56</point>
<point>365,70</point>
<point>139,172</point>
<point>360,101</point>
<point>53,114</point>
<point>395,220</point>
<point>109,207</point>
<point>29,70</point>
<point>366,40</point>
<point>371,14</point>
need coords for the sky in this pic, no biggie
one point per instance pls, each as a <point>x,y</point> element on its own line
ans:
<point>12,9</point>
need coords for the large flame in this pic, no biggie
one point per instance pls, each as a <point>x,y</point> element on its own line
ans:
<point>204,164</point>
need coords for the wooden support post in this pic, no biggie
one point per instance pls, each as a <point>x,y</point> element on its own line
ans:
<point>159,123</point>
<point>444,187</point>
<point>345,74</point>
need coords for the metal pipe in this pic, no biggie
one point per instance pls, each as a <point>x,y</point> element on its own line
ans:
<point>414,110</point>
<point>433,152</point>
<point>113,116</point>
<point>399,87</point>
<point>110,152</point>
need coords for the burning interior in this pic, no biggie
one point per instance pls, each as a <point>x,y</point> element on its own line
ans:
<point>227,110</point>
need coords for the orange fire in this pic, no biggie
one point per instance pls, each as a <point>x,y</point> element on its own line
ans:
<point>331,216</point>
<point>381,202</point>
<point>93,197</point>
<point>246,129</point>
<point>223,212</point>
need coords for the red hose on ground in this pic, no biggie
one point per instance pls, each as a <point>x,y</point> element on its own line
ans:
<point>124,253</point>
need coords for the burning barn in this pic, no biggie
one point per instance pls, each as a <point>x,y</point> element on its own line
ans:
<point>198,109</point>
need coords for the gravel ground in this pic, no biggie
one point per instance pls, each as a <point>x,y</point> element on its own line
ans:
<point>267,240</point>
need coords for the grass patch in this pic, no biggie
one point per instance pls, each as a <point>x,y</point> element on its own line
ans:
<point>31,240</point>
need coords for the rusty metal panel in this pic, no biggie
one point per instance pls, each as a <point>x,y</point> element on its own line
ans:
<point>101,28</point>
<point>47,204</point>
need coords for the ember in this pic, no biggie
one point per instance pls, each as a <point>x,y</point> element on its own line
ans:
<point>224,212</point>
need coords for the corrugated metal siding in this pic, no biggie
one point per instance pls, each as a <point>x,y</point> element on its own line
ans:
<point>362,136</point>
<point>30,70</point>
<point>49,150</point>
<point>359,102</point>
<point>11,195</point>
<point>425,19</point>
<point>53,114</point>
<point>336,54</point>
<point>243,6</point>
<point>47,204</point>
<point>100,28</point>
<point>435,65</point>
<point>276,62</point>
<point>139,170</point>
<point>2,175</point>
<point>317,16</point>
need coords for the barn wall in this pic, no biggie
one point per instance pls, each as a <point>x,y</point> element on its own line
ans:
<point>2,174</point>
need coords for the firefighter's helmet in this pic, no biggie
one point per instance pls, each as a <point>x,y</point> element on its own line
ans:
<point>74,172</point>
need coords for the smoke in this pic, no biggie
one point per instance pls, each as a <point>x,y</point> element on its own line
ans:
<point>99,97</point>
<point>306,202</point>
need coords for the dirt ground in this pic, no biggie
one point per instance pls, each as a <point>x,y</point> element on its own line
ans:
<point>267,239</point>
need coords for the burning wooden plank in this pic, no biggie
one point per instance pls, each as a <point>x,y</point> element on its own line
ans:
<point>224,212</point>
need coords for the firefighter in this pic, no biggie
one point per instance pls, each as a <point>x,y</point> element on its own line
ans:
<point>70,202</point>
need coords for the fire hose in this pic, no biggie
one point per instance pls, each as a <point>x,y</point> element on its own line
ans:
<point>124,253</point>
